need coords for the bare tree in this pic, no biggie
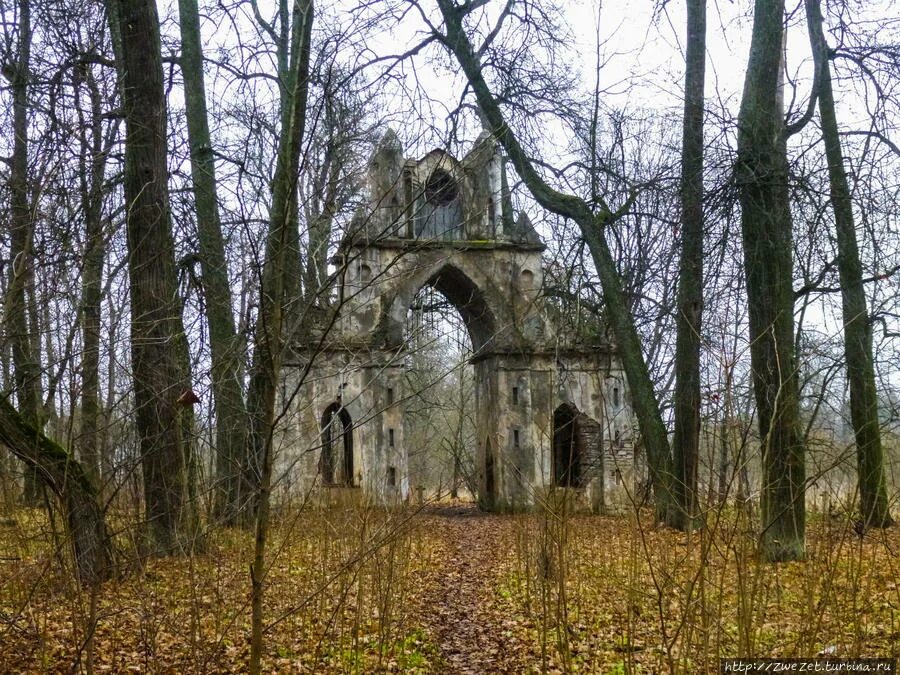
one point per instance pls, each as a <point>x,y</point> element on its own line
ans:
<point>686,441</point>
<point>159,351</point>
<point>857,324</point>
<point>269,336</point>
<point>762,176</point>
<point>593,223</point>
<point>226,362</point>
<point>95,139</point>
<point>26,363</point>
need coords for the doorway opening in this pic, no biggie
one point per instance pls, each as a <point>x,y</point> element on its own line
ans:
<point>445,323</point>
<point>336,461</point>
<point>567,452</point>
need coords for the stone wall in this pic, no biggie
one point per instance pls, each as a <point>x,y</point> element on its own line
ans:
<point>489,267</point>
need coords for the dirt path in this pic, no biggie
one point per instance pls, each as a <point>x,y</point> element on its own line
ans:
<point>462,612</point>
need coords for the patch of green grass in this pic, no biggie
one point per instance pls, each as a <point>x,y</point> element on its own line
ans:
<point>416,652</point>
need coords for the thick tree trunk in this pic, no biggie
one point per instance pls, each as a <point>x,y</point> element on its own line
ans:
<point>92,546</point>
<point>686,442</point>
<point>26,363</point>
<point>857,326</point>
<point>762,176</point>
<point>628,343</point>
<point>231,422</point>
<point>159,353</point>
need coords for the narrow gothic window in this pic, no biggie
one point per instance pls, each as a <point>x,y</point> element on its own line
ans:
<point>566,449</point>
<point>336,460</point>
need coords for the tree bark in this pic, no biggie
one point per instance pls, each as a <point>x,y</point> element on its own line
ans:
<point>857,326</point>
<point>287,54</point>
<point>231,423</point>
<point>66,478</point>
<point>686,441</point>
<point>159,355</point>
<point>762,176</point>
<point>628,343</point>
<point>269,336</point>
<point>92,168</point>
<point>26,364</point>
<point>277,273</point>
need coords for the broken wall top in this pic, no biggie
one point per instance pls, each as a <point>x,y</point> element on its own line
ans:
<point>439,201</point>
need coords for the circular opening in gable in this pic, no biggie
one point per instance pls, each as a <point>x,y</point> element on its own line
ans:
<point>440,188</point>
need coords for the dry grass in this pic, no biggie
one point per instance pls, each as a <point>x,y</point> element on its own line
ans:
<point>335,596</point>
<point>363,590</point>
<point>643,599</point>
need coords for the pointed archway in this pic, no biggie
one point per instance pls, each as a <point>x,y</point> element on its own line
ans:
<point>336,460</point>
<point>567,451</point>
<point>447,225</point>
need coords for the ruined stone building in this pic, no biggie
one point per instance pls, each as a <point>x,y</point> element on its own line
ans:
<point>549,412</point>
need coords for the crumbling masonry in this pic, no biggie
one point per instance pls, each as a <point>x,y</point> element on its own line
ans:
<point>550,414</point>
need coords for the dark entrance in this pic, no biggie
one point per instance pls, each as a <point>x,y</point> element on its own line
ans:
<point>336,463</point>
<point>490,487</point>
<point>566,450</point>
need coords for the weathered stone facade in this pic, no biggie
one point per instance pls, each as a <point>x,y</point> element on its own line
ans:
<point>549,414</point>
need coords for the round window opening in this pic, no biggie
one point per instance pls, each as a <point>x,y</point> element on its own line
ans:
<point>440,188</point>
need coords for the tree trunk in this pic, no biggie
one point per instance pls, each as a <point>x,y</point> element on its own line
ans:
<point>857,326</point>
<point>231,423</point>
<point>26,364</point>
<point>628,343</point>
<point>277,273</point>
<point>287,54</point>
<point>92,167</point>
<point>762,175</point>
<point>159,355</point>
<point>92,546</point>
<point>686,441</point>
<point>269,337</point>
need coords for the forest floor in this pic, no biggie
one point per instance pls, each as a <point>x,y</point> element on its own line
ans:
<point>449,589</point>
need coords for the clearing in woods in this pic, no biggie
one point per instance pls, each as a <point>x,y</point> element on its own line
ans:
<point>452,590</point>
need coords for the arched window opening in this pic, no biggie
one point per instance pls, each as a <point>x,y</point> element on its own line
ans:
<point>490,481</point>
<point>566,449</point>
<point>439,213</point>
<point>336,462</point>
<point>440,188</point>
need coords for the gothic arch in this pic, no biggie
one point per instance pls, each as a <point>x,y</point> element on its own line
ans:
<point>336,463</point>
<point>568,455</point>
<point>467,296</point>
<point>534,380</point>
